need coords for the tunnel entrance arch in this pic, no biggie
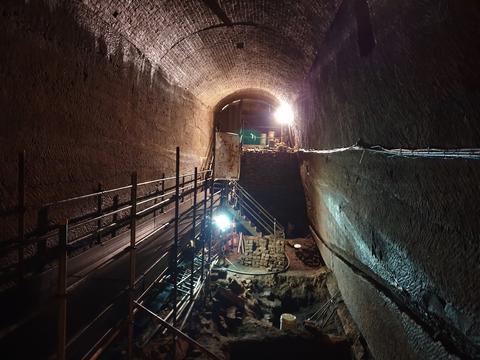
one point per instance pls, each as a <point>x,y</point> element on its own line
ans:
<point>248,113</point>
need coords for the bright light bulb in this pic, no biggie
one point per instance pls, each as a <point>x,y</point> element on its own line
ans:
<point>222,221</point>
<point>284,114</point>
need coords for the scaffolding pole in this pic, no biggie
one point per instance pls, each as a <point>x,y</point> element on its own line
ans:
<point>131,292</point>
<point>210,222</point>
<point>194,223</point>
<point>21,214</point>
<point>175,243</point>
<point>62,292</point>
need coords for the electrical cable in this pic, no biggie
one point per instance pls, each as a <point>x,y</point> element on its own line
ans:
<point>465,153</point>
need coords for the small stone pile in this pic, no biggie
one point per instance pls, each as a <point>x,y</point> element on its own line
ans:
<point>309,255</point>
<point>265,252</point>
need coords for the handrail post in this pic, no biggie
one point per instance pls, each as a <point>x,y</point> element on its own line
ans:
<point>99,213</point>
<point>131,292</point>
<point>194,223</point>
<point>115,216</point>
<point>183,188</point>
<point>204,230</point>
<point>210,224</point>
<point>274,228</point>
<point>155,202</point>
<point>62,291</point>
<point>240,203</point>
<point>21,214</point>
<point>163,192</point>
<point>175,243</point>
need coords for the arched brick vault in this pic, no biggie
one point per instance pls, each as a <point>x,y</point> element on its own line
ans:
<point>215,48</point>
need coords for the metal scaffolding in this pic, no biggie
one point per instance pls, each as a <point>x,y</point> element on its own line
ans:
<point>127,228</point>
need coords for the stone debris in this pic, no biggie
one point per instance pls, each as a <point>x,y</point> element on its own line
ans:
<point>236,287</point>
<point>226,296</point>
<point>246,310</point>
<point>309,255</point>
<point>238,313</point>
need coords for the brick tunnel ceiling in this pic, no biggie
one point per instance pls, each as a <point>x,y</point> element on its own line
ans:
<point>214,48</point>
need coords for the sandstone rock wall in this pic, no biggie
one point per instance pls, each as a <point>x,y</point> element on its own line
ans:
<point>412,224</point>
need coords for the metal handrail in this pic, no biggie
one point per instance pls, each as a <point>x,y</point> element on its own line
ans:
<point>262,223</point>
<point>258,205</point>
<point>246,193</point>
<point>137,282</point>
<point>256,210</point>
<point>108,223</point>
<point>103,192</point>
<point>86,196</point>
<point>244,205</point>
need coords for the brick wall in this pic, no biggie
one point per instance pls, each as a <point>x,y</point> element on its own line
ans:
<point>87,106</point>
<point>199,51</point>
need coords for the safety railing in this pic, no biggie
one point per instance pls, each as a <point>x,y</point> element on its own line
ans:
<point>118,224</point>
<point>246,204</point>
<point>158,195</point>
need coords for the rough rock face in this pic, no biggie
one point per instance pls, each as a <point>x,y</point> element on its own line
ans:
<point>410,224</point>
<point>87,106</point>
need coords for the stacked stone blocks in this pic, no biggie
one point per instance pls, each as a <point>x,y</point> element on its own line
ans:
<point>264,252</point>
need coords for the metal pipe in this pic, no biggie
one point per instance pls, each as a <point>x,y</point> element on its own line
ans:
<point>180,333</point>
<point>131,294</point>
<point>175,244</point>
<point>204,230</point>
<point>74,224</point>
<point>163,191</point>
<point>169,178</point>
<point>183,187</point>
<point>194,215</point>
<point>210,222</point>
<point>139,241</point>
<point>81,197</point>
<point>110,213</point>
<point>253,201</point>
<point>115,216</point>
<point>126,207</point>
<point>99,213</point>
<point>62,292</point>
<point>21,214</point>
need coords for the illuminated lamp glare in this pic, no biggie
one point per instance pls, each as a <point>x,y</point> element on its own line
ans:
<point>222,221</point>
<point>284,114</point>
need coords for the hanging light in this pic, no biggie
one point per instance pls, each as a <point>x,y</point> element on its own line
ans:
<point>222,221</point>
<point>284,114</point>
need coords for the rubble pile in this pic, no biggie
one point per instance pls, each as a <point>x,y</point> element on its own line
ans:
<point>238,316</point>
<point>265,252</point>
<point>309,255</point>
<point>244,309</point>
